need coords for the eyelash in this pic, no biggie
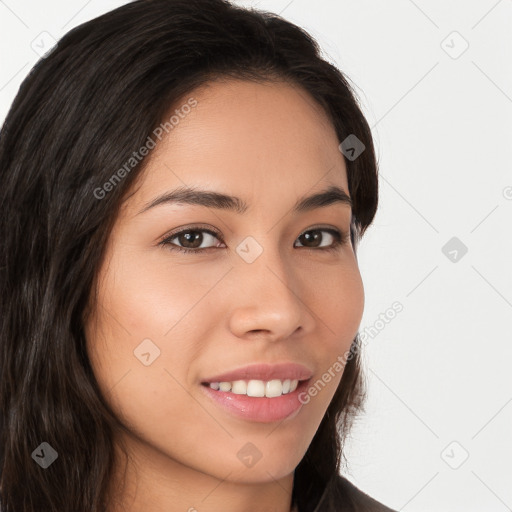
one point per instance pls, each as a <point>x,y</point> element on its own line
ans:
<point>341,238</point>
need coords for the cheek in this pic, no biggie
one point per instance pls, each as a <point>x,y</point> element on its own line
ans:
<point>149,314</point>
<point>145,295</point>
<point>338,305</point>
<point>150,311</point>
<point>334,295</point>
<point>336,298</point>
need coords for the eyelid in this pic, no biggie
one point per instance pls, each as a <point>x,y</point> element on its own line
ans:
<point>192,227</point>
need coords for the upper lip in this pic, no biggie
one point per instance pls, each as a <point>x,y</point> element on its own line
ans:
<point>265,372</point>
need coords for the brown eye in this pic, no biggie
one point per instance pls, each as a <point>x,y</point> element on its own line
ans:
<point>191,240</point>
<point>311,238</point>
<point>314,237</point>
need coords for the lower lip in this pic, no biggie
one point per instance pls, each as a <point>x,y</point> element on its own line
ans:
<point>259,409</point>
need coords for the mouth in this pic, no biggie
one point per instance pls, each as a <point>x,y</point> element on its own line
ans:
<point>256,388</point>
<point>257,400</point>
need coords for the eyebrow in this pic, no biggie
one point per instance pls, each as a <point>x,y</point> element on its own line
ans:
<point>220,201</point>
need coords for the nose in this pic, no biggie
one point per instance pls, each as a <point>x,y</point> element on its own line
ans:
<point>267,301</point>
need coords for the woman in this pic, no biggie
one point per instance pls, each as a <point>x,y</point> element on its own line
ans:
<point>184,187</point>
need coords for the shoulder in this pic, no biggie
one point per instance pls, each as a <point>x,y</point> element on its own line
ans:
<point>356,499</point>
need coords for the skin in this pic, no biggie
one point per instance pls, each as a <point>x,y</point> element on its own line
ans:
<point>269,144</point>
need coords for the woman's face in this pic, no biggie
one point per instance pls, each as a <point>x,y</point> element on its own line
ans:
<point>263,290</point>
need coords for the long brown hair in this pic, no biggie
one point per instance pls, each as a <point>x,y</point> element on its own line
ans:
<point>77,118</point>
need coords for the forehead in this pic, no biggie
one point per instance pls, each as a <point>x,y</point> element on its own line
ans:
<point>248,139</point>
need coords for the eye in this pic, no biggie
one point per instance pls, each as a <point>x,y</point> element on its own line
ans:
<point>191,239</point>
<point>312,238</point>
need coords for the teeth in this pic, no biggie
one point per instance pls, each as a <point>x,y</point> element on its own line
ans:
<point>225,386</point>
<point>257,388</point>
<point>239,387</point>
<point>273,388</point>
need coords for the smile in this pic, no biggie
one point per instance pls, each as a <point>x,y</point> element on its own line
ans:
<point>257,388</point>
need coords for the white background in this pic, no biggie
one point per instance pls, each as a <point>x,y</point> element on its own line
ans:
<point>439,379</point>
